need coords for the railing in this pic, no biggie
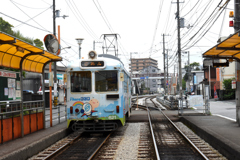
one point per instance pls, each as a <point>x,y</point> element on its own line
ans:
<point>59,114</point>
<point>13,108</point>
<point>32,118</point>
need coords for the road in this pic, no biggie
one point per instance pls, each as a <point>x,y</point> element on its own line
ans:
<point>226,109</point>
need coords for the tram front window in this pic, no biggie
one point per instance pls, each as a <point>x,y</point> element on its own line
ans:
<point>81,81</point>
<point>106,81</point>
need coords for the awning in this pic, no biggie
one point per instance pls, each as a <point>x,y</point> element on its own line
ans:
<point>13,51</point>
<point>229,49</point>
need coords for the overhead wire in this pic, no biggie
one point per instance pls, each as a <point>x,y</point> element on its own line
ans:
<point>156,25</point>
<point>26,6</point>
<point>79,19</point>
<point>26,23</point>
<point>210,24</point>
<point>33,17</point>
<point>104,17</point>
<point>26,14</point>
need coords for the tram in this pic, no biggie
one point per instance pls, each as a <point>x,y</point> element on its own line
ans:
<point>98,93</point>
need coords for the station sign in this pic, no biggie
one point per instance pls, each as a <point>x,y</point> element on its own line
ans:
<point>142,77</point>
<point>7,74</point>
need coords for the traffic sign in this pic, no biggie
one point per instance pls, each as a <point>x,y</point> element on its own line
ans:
<point>142,77</point>
<point>146,77</point>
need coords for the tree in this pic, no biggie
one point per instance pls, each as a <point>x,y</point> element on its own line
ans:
<point>194,65</point>
<point>183,84</point>
<point>38,43</point>
<point>229,93</point>
<point>5,26</point>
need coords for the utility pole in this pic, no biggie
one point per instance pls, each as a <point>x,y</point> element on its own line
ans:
<point>164,66</point>
<point>167,72</point>
<point>237,64</point>
<point>179,51</point>
<point>189,73</point>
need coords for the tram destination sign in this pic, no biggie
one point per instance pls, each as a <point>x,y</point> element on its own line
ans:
<point>92,63</point>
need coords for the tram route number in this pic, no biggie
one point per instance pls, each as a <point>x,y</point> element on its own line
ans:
<point>112,117</point>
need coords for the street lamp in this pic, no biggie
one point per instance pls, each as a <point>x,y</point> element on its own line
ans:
<point>79,41</point>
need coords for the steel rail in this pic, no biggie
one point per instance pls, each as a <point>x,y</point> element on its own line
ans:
<point>153,137</point>
<point>192,144</point>
<point>100,146</point>
<point>51,155</point>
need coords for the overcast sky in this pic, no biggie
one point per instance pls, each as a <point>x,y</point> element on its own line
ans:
<point>139,23</point>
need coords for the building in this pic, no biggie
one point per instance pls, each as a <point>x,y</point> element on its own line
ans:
<point>148,78</point>
<point>138,64</point>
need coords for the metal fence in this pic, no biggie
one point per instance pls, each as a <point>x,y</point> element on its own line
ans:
<point>59,115</point>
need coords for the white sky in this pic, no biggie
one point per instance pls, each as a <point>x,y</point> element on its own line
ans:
<point>134,20</point>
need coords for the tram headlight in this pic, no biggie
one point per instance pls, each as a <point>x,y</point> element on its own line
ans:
<point>92,54</point>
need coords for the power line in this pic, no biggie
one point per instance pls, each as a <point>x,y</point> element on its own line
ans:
<point>87,29</point>
<point>156,25</point>
<point>25,23</point>
<point>27,14</point>
<point>33,17</point>
<point>26,6</point>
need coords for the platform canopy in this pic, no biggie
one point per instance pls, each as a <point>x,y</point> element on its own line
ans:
<point>227,49</point>
<point>13,51</point>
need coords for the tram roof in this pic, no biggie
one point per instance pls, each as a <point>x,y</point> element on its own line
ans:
<point>229,48</point>
<point>13,51</point>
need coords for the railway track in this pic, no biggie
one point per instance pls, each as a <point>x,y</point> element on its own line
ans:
<point>175,143</point>
<point>77,145</point>
<point>167,144</point>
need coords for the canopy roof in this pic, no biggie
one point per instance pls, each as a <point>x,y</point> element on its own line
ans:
<point>229,48</point>
<point>13,51</point>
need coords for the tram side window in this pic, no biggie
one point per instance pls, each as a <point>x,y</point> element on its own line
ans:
<point>81,81</point>
<point>106,81</point>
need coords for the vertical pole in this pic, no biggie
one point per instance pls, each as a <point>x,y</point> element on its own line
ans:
<point>54,32</point>
<point>79,52</point>
<point>137,102</point>
<point>50,95</point>
<point>21,114</point>
<point>209,83</point>
<point>93,45</point>
<point>167,73</point>
<point>43,96</point>
<point>237,64</point>
<point>50,66</point>
<point>179,51</point>
<point>164,66</point>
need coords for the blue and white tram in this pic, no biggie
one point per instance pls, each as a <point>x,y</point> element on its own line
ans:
<point>98,93</point>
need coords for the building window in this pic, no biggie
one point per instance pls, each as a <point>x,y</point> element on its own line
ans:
<point>154,80</point>
<point>154,85</point>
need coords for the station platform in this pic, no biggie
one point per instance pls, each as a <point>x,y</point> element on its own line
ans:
<point>31,144</point>
<point>221,133</point>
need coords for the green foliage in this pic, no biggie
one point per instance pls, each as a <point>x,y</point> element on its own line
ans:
<point>20,36</point>
<point>38,43</point>
<point>7,28</point>
<point>194,64</point>
<point>185,78</point>
<point>229,93</point>
<point>183,84</point>
<point>227,83</point>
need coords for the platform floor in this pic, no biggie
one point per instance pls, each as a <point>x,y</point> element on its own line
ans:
<point>222,134</point>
